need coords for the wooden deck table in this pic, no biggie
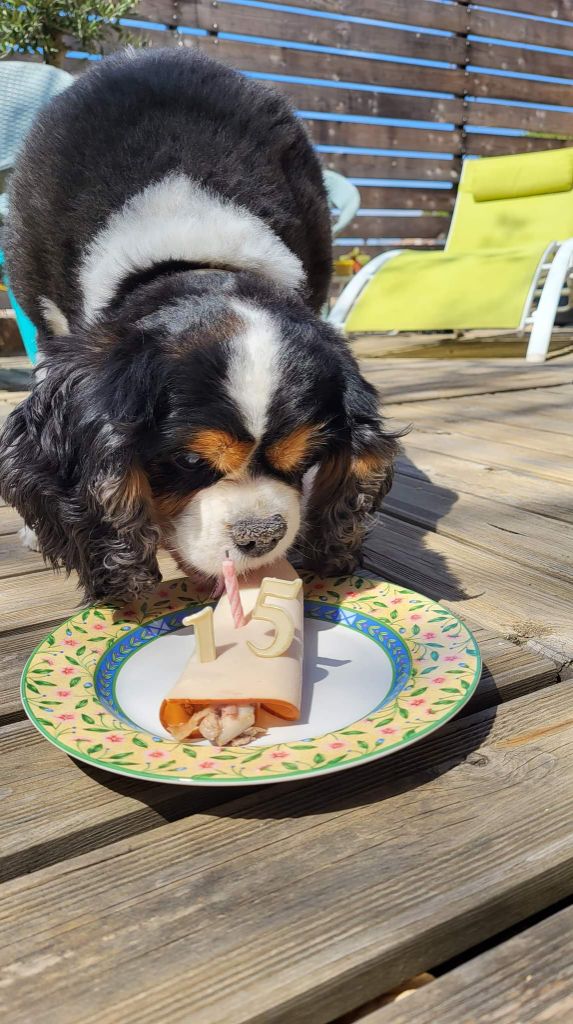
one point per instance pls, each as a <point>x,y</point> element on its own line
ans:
<point>125,902</point>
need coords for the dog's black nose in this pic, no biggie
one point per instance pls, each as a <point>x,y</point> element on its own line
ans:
<point>257,537</point>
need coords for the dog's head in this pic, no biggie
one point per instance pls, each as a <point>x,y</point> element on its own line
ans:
<point>229,419</point>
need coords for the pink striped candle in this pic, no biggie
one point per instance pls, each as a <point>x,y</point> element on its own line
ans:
<point>233,593</point>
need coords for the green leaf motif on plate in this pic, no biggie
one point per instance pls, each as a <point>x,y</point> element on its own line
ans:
<point>139,743</point>
<point>95,749</point>
<point>90,721</point>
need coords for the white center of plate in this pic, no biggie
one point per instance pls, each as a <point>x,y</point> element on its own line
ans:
<point>346,675</point>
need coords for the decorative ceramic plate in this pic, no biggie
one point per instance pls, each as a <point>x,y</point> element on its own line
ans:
<point>383,666</point>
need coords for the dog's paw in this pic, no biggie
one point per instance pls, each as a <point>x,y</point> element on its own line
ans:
<point>28,539</point>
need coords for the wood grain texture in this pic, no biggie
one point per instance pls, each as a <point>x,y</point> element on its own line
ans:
<point>387,226</point>
<point>529,31</point>
<point>362,103</point>
<point>552,9</point>
<point>515,58</point>
<point>520,89</point>
<point>416,380</point>
<point>333,66</point>
<point>420,12</point>
<point>339,33</point>
<point>521,602</point>
<point>80,808</point>
<point>533,119</point>
<point>528,979</point>
<point>379,136</point>
<point>502,145</point>
<point>459,837</point>
<point>355,165</point>
<point>384,198</point>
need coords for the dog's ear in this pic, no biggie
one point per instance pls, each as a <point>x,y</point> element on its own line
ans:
<point>351,480</point>
<point>68,463</point>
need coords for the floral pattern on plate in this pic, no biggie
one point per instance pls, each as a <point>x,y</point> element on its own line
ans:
<point>60,694</point>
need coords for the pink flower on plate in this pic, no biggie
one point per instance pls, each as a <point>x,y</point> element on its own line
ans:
<point>98,626</point>
<point>63,693</point>
<point>337,745</point>
<point>417,702</point>
<point>163,593</point>
<point>70,643</point>
<point>389,730</point>
<point>397,600</point>
<point>279,755</point>
<point>156,753</point>
<point>451,657</point>
<point>47,661</point>
<point>66,717</point>
<point>114,737</point>
<point>438,680</point>
<point>352,593</point>
<point>69,671</point>
<point>428,636</point>
<point>206,765</point>
<point>415,617</point>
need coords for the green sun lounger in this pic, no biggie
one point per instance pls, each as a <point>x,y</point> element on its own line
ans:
<point>507,262</point>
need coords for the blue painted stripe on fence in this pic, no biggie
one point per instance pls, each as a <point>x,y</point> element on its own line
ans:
<point>526,17</point>
<point>436,186</point>
<point>414,154</point>
<point>328,16</point>
<point>520,46</point>
<point>287,44</point>
<point>392,122</point>
<point>271,76</point>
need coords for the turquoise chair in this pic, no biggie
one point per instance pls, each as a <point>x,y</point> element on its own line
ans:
<point>24,89</point>
<point>343,197</point>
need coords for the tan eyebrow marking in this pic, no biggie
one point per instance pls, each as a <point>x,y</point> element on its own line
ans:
<point>225,453</point>
<point>288,453</point>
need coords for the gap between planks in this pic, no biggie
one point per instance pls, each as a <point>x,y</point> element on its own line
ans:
<point>526,979</point>
<point>146,923</point>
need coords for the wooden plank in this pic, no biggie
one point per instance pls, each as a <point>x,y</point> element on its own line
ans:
<point>529,31</point>
<point>523,537</point>
<point>554,9</point>
<point>416,244</point>
<point>473,448</point>
<point>528,979</point>
<point>80,809</point>
<point>341,33</point>
<point>502,145</point>
<point>334,67</point>
<point>520,89</point>
<point>380,136</point>
<point>355,165</point>
<point>398,227</point>
<point>16,560</point>
<point>542,497</point>
<point>15,649</point>
<point>419,379</point>
<point>498,840</point>
<point>10,521</point>
<point>164,12</point>
<point>381,198</point>
<point>543,410</point>
<point>514,58</point>
<point>420,12</point>
<point>358,103</point>
<point>521,603</point>
<point>487,427</point>
<point>32,600</point>
<point>497,115</point>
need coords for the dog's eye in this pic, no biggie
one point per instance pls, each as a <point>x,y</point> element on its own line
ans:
<point>189,460</point>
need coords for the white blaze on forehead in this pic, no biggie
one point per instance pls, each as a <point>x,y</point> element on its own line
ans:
<point>253,371</point>
<point>177,219</point>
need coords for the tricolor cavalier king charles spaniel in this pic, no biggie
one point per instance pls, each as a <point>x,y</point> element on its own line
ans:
<point>169,234</point>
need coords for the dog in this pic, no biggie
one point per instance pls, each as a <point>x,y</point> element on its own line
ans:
<point>169,235</point>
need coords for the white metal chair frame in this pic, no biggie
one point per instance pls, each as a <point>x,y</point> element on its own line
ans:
<point>551,280</point>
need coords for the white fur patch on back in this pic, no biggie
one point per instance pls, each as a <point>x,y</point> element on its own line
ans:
<point>175,219</point>
<point>253,370</point>
<point>55,319</point>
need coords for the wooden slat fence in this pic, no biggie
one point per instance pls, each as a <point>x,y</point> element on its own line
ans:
<point>395,93</point>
